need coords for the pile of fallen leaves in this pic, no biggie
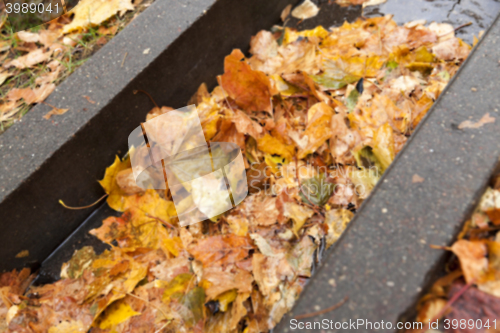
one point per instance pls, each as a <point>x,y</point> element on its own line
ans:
<point>319,116</point>
<point>35,61</point>
<point>470,293</point>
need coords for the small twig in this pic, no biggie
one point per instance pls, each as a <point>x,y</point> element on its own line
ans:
<point>456,29</point>
<point>463,26</point>
<point>147,94</point>
<point>124,57</point>
<point>83,207</point>
<point>320,312</point>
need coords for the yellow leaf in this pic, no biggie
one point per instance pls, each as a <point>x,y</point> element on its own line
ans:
<point>226,298</point>
<point>173,245</point>
<point>94,12</point>
<point>318,128</point>
<point>292,35</point>
<point>337,220</point>
<point>383,145</point>
<point>298,213</point>
<point>108,183</point>
<point>178,287</point>
<point>116,314</point>
<point>275,162</point>
<point>269,144</point>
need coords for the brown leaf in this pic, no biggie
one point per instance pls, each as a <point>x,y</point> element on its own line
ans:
<point>286,11</point>
<point>88,99</point>
<point>221,250</point>
<point>31,96</point>
<point>221,281</point>
<point>251,90</point>
<point>229,133</point>
<point>55,111</point>
<point>29,60</point>
<point>417,179</point>
<point>474,305</point>
<point>246,125</point>
<point>472,256</point>
<point>318,128</point>
<point>486,119</point>
<point>4,76</point>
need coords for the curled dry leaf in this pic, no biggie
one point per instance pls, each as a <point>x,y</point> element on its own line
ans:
<point>305,10</point>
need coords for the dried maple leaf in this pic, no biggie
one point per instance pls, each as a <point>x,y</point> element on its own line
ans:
<point>221,250</point>
<point>251,90</point>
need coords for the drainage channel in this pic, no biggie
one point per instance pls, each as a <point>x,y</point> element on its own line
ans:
<point>382,262</point>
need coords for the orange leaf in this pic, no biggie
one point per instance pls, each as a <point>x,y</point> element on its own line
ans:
<point>251,90</point>
<point>472,256</point>
<point>220,250</point>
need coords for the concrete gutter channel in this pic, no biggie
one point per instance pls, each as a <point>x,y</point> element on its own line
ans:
<point>383,262</point>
